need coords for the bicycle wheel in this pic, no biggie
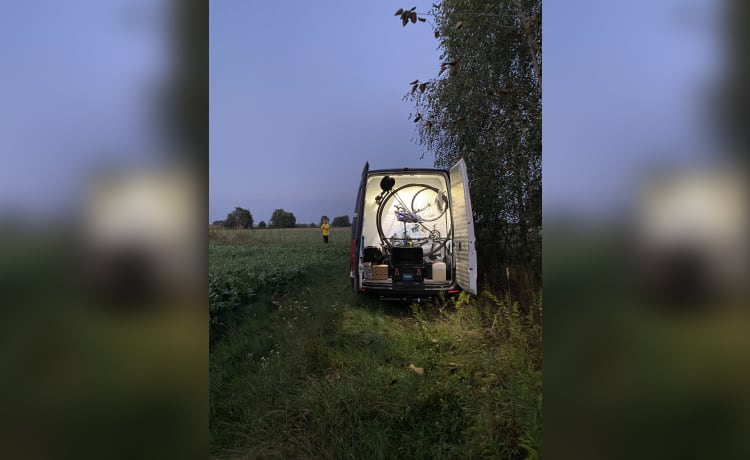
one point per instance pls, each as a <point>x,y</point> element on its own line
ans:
<point>429,203</point>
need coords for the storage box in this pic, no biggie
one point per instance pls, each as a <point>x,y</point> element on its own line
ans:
<point>438,271</point>
<point>408,266</point>
<point>380,272</point>
<point>408,274</point>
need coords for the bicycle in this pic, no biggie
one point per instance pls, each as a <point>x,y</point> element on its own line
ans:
<point>428,204</point>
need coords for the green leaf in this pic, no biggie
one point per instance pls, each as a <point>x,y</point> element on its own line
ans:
<point>414,82</point>
<point>413,17</point>
<point>421,19</point>
<point>399,11</point>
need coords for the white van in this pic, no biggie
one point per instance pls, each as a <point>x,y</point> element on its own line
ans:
<point>413,234</point>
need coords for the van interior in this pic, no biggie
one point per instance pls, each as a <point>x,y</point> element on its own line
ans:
<point>407,230</point>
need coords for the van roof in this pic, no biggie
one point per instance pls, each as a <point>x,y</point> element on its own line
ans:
<point>406,170</point>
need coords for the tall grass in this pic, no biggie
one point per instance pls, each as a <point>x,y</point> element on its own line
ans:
<point>324,373</point>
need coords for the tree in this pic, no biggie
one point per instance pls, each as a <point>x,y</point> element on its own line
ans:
<point>230,221</point>
<point>341,221</point>
<point>262,224</point>
<point>239,218</point>
<point>484,105</point>
<point>283,219</point>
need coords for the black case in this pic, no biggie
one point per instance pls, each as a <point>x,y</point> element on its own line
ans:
<point>407,265</point>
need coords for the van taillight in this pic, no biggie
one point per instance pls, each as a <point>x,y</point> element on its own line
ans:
<point>454,291</point>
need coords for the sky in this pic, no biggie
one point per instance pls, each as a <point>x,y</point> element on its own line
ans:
<point>299,103</point>
<point>302,94</point>
<point>77,96</point>
<point>627,90</point>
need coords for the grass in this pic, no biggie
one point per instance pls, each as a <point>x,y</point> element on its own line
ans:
<point>630,374</point>
<point>82,379</point>
<point>248,266</point>
<point>315,371</point>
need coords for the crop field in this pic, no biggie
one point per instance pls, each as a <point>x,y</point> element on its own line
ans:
<point>245,264</point>
<point>301,367</point>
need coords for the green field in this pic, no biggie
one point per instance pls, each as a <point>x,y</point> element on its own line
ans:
<point>301,367</point>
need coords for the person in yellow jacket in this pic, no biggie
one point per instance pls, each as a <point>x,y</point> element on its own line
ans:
<point>325,227</point>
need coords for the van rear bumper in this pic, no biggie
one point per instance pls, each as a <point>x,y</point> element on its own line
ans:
<point>387,290</point>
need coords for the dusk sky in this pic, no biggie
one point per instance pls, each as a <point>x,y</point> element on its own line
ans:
<point>302,94</point>
<point>77,96</point>
<point>627,91</point>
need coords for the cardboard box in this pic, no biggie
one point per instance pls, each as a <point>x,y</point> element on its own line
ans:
<point>380,272</point>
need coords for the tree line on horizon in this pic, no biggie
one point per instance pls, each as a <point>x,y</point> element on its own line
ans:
<point>242,218</point>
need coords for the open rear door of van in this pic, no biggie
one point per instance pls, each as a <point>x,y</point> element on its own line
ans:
<point>463,229</point>
<point>359,207</point>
